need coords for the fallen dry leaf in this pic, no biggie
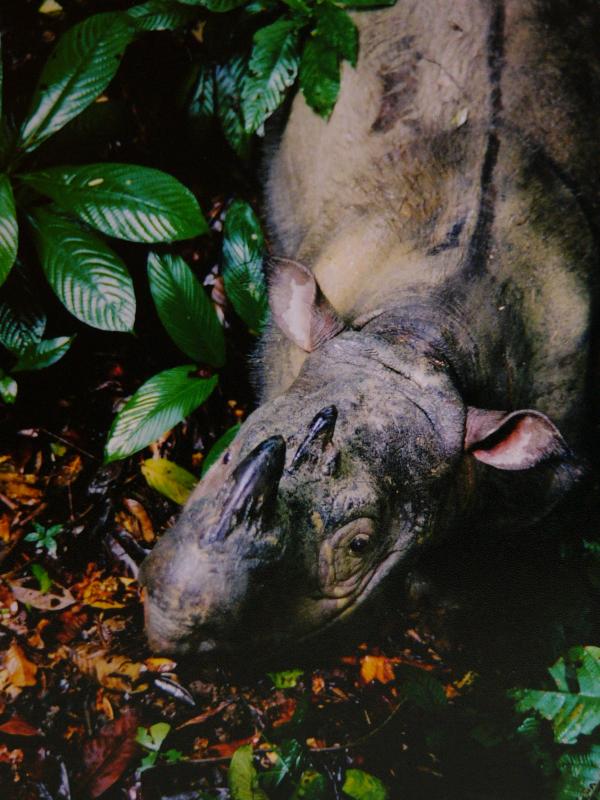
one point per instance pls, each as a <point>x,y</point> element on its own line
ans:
<point>107,755</point>
<point>20,670</point>
<point>16,726</point>
<point>113,671</point>
<point>45,601</point>
<point>135,519</point>
<point>376,668</point>
<point>68,472</point>
<point>19,488</point>
<point>107,592</point>
<point>200,718</point>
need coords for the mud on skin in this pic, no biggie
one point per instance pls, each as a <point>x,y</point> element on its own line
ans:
<point>432,298</point>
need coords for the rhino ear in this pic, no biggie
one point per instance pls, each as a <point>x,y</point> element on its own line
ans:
<point>300,309</point>
<point>512,440</point>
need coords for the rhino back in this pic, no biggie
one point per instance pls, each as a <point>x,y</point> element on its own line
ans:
<point>459,164</point>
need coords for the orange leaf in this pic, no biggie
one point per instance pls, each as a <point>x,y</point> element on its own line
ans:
<point>376,668</point>
<point>16,726</point>
<point>21,671</point>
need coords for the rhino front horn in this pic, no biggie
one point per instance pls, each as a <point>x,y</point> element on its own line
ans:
<point>254,487</point>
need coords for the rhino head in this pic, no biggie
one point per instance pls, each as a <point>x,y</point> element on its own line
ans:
<point>328,487</point>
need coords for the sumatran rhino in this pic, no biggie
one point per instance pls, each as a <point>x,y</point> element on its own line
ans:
<point>428,360</point>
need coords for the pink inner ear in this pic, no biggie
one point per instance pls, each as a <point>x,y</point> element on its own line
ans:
<point>520,442</point>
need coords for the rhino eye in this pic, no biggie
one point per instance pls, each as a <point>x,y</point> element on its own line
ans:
<point>360,543</point>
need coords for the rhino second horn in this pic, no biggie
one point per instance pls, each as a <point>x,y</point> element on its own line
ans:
<point>320,434</point>
<point>254,487</point>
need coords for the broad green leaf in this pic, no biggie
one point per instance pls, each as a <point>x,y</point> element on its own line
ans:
<point>86,275</point>
<point>300,6</point>
<point>219,6</point>
<point>286,679</point>
<point>9,232</point>
<point>337,29</point>
<point>122,200</point>
<point>201,98</point>
<point>219,447</point>
<point>361,786</point>
<point>185,309</point>
<point>8,388</point>
<point>161,15</point>
<point>242,776</point>
<point>290,755</point>
<point>169,479</point>
<point>161,403</point>
<point>573,709</point>
<point>320,75</point>
<point>42,354</point>
<point>272,70</point>
<point>229,79</point>
<point>22,319</point>
<point>580,774</point>
<point>312,786</point>
<point>79,69</point>
<point>243,248</point>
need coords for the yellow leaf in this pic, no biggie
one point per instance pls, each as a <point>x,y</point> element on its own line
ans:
<point>21,671</point>
<point>113,671</point>
<point>376,668</point>
<point>169,479</point>
<point>50,8</point>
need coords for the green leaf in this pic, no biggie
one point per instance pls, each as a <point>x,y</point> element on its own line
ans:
<point>219,447</point>
<point>129,202</point>
<point>219,6</point>
<point>361,786</point>
<point>242,776</point>
<point>580,774</point>
<point>79,69</point>
<point>185,309</point>
<point>162,402</point>
<point>173,756</point>
<point>149,760</point>
<point>86,275</point>
<point>312,786</point>
<point>300,6</point>
<point>320,75</point>
<point>337,29</point>
<point>273,69</point>
<point>42,354</point>
<point>290,755</point>
<point>9,231</point>
<point>243,248</point>
<point>229,80</point>
<point>152,738</point>
<point>572,712</point>
<point>42,577</point>
<point>161,15</point>
<point>8,388</point>
<point>201,99</point>
<point>22,319</point>
<point>286,679</point>
<point>170,480</point>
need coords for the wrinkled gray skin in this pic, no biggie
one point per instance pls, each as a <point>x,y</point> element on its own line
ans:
<point>435,334</point>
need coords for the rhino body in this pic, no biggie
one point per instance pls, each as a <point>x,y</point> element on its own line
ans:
<point>429,365</point>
